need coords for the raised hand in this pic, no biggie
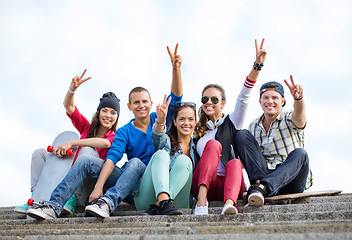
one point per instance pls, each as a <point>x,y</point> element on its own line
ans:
<point>260,52</point>
<point>176,60</point>
<point>161,111</point>
<point>77,81</point>
<point>296,90</point>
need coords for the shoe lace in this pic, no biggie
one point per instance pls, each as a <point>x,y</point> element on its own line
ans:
<point>99,202</point>
<point>162,203</point>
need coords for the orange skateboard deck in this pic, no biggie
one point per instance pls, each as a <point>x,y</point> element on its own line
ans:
<point>294,196</point>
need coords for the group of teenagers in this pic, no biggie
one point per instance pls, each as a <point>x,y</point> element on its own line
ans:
<point>175,158</point>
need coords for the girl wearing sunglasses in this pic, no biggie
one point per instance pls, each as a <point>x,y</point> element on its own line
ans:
<point>166,182</point>
<point>218,175</point>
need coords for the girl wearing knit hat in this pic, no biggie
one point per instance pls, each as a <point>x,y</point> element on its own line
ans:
<point>97,135</point>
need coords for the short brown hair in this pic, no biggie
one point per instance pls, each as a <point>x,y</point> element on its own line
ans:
<point>135,90</point>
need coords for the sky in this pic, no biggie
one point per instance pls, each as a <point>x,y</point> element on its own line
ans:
<point>122,44</point>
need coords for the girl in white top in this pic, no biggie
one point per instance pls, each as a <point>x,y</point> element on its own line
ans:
<point>218,176</point>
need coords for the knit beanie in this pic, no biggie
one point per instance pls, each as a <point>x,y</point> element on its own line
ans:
<point>110,100</point>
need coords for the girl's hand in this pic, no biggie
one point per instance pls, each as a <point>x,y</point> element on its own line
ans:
<point>161,111</point>
<point>77,81</point>
<point>296,90</point>
<point>61,150</point>
<point>260,52</point>
<point>176,60</point>
<point>97,193</point>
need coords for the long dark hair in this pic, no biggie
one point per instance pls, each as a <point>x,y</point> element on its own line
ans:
<point>172,132</point>
<point>201,127</point>
<point>95,125</point>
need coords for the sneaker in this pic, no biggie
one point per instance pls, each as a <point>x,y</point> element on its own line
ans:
<point>70,205</point>
<point>201,210</point>
<point>256,195</point>
<point>167,208</point>
<point>21,209</point>
<point>98,208</point>
<point>229,209</point>
<point>43,212</point>
<point>153,210</point>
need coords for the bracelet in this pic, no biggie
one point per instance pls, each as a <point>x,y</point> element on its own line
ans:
<point>257,66</point>
<point>70,90</point>
<point>160,124</point>
<point>298,98</point>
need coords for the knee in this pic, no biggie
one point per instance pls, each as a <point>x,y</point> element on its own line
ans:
<point>160,157</point>
<point>213,144</point>
<point>234,163</point>
<point>88,151</point>
<point>242,136</point>
<point>39,155</point>
<point>160,154</point>
<point>136,164</point>
<point>300,153</point>
<point>185,162</point>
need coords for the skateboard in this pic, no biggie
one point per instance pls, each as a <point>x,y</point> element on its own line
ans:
<point>54,170</point>
<point>300,196</point>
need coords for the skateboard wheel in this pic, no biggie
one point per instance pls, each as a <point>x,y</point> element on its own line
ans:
<point>30,202</point>
<point>69,152</point>
<point>50,148</point>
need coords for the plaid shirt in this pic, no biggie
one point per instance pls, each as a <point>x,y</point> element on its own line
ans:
<point>282,138</point>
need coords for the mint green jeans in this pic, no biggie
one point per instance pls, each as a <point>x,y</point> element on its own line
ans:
<point>161,177</point>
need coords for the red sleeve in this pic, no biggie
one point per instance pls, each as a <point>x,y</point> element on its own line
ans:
<point>79,121</point>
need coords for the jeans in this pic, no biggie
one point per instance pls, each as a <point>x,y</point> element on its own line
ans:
<point>87,186</point>
<point>220,188</point>
<point>119,184</point>
<point>289,177</point>
<point>159,178</point>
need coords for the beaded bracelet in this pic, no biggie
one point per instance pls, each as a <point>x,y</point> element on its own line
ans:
<point>258,66</point>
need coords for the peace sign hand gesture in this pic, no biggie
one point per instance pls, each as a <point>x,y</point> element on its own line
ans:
<point>296,90</point>
<point>260,52</point>
<point>176,60</point>
<point>161,112</point>
<point>77,81</point>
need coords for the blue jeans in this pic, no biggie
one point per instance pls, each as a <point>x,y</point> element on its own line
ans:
<point>118,185</point>
<point>289,177</point>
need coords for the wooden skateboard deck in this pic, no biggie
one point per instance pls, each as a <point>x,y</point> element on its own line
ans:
<point>294,196</point>
<point>55,169</point>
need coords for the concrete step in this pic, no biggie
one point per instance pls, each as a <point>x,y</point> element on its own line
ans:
<point>271,236</point>
<point>178,229</point>
<point>320,217</point>
<point>341,201</point>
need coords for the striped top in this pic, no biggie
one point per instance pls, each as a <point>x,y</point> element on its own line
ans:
<point>282,138</point>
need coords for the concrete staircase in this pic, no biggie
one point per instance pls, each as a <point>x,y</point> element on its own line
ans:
<point>327,217</point>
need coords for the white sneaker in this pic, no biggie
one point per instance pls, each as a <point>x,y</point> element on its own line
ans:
<point>98,208</point>
<point>229,209</point>
<point>256,199</point>
<point>201,210</point>
<point>44,212</point>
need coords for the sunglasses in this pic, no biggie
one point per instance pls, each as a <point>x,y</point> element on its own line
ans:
<point>185,104</point>
<point>205,99</point>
